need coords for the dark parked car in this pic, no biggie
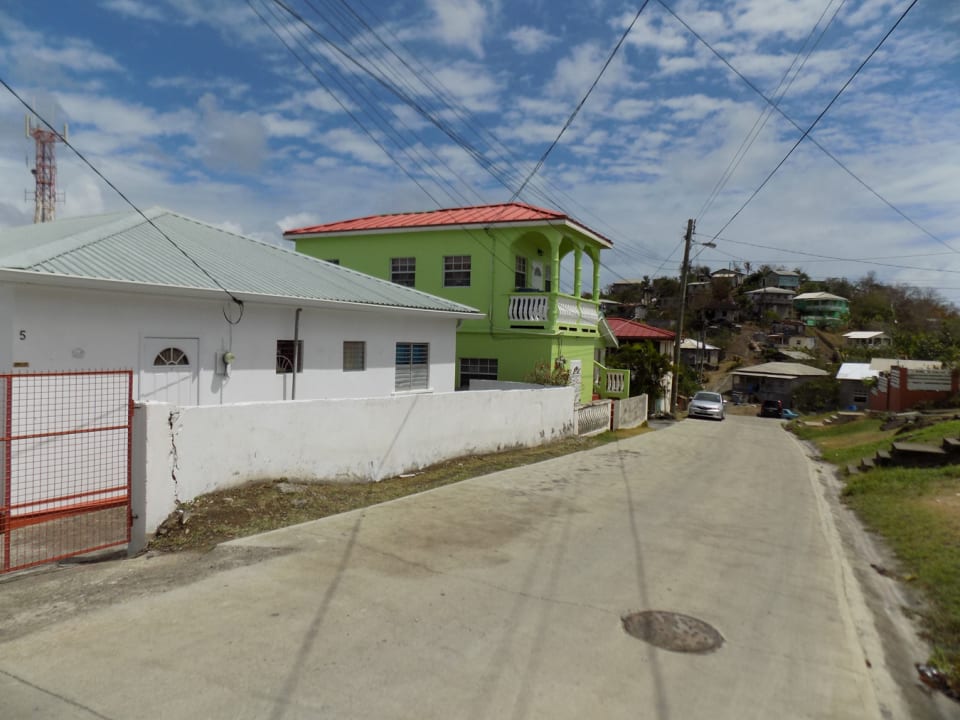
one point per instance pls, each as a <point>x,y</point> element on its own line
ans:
<point>771,408</point>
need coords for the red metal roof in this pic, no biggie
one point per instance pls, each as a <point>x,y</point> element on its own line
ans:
<point>632,330</point>
<point>502,213</point>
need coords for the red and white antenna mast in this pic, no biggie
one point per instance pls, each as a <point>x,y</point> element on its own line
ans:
<point>45,171</point>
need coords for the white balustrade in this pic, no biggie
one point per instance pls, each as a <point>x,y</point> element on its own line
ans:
<point>529,308</point>
<point>567,311</point>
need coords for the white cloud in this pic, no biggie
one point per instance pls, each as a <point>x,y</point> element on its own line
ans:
<point>44,58</point>
<point>279,126</point>
<point>575,73</point>
<point>790,19</point>
<point>869,11</point>
<point>298,220</point>
<point>230,87</point>
<point>654,32</point>
<point>127,121</point>
<point>471,84</point>
<point>631,108</point>
<point>134,9</point>
<point>229,140</point>
<point>346,141</point>
<point>528,40</point>
<point>460,23</point>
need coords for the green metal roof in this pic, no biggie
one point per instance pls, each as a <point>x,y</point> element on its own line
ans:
<point>125,247</point>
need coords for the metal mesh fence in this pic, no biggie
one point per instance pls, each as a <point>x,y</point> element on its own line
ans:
<point>65,452</point>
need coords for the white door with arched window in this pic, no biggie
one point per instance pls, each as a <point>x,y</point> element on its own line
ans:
<point>169,370</point>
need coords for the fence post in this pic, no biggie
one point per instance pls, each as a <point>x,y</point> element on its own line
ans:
<point>138,481</point>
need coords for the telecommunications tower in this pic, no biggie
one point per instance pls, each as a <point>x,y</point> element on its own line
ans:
<point>45,171</point>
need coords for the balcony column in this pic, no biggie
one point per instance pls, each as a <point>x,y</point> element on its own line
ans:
<point>595,256</point>
<point>577,271</point>
<point>553,311</point>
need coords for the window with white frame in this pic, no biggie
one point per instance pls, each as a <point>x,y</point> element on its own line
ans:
<point>520,273</point>
<point>456,271</point>
<point>354,355</point>
<point>403,271</point>
<point>412,366</point>
<point>477,369</point>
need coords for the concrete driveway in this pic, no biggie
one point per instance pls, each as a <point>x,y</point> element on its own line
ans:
<point>502,597</point>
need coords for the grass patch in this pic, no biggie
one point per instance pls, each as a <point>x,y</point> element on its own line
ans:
<point>917,511</point>
<point>273,503</point>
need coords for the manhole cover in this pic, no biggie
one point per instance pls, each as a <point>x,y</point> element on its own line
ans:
<point>673,631</point>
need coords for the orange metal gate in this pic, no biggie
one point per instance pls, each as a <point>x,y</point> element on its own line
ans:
<point>65,447</point>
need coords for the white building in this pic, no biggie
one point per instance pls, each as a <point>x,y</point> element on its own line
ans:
<point>867,339</point>
<point>204,316</point>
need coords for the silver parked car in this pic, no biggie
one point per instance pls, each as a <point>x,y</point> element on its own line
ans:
<point>706,404</point>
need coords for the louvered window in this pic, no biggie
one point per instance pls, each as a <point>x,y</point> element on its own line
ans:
<point>413,368</point>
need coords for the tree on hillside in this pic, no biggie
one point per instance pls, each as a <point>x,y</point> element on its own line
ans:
<point>646,365</point>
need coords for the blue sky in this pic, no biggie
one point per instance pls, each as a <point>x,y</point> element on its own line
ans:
<point>197,106</point>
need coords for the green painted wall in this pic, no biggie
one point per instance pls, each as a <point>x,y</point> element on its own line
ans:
<point>493,259</point>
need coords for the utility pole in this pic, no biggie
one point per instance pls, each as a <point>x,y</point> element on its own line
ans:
<point>684,271</point>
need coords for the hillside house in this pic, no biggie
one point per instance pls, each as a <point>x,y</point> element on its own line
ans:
<point>697,354</point>
<point>784,279</point>
<point>206,317</point>
<point>771,302</point>
<point>821,308</point>
<point>731,275</point>
<point>535,273</point>
<point>868,339</point>
<point>773,380</point>
<point>855,381</point>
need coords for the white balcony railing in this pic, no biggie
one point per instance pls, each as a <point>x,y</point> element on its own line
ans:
<point>589,314</point>
<point>535,307</point>
<point>529,308</point>
<point>567,311</point>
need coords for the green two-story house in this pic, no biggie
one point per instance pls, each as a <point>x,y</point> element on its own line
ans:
<point>821,308</point>
<point>510,261</point>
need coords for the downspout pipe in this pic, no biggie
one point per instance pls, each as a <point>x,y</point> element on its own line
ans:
<point>296,352</point>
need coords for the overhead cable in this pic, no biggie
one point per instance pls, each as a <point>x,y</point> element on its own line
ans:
<point>119,192</point>
<point>813,140</point>
<point>580,104</point>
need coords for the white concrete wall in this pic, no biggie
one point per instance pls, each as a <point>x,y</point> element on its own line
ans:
<point>630,412</point>
<point>183,452</point>
<point>51,328</point>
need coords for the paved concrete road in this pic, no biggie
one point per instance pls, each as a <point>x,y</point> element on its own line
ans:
<point>502,597</point>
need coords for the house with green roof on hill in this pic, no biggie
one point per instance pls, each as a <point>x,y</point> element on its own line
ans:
<point>821,308</point>
<point>533,272</point>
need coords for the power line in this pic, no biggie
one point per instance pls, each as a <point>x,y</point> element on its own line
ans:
<point>767,111</point>
<point>831,257</point>
<point>580,104</point>
<point>817,119</point>
<point>343,106</point>
<point>127,200</point>
<point>813,140</point>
